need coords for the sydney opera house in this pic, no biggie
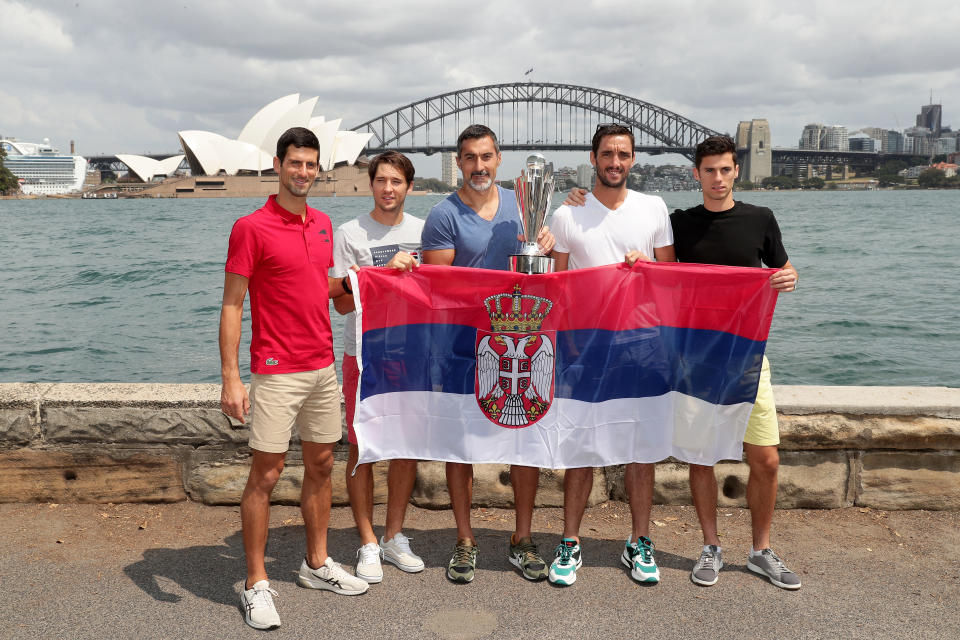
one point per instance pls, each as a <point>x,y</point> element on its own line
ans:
<point>211,155</point>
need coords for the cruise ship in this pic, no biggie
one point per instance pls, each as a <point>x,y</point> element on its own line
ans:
<point>43,170</point>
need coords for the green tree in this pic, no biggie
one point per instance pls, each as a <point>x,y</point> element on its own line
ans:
<point>745,185</point>
<point>932,179</point>
<point>780,182</point>
<point>815,182</point>
<point>432,184</point>
<point>8,182</point>
<point>889,179</point>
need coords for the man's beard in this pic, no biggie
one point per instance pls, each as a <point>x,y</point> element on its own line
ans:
<point>609,184</point>
<point>480,187</point>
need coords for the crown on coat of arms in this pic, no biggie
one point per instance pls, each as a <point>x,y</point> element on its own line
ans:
<point>516,312</point>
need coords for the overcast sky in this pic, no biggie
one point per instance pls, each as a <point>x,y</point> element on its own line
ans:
<point>124,77</point>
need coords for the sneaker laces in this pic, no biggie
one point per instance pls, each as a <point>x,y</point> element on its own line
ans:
<point>775,560</point>
<point>564,553</point>
<point>529,550</point>
<point>708,559</point>
<point>646,552</point>
<point>402,542</point>
<point>368,553</point>
<point>463,553</point>
<point>262,597</point>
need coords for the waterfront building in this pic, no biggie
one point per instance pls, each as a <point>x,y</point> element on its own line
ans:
<point>945,145</point>
<point>892,142</point>
<point>449,172</point>
<point>813,136</point>
<point>862,142</point>
<point>42,169</point>
<point>211,154</point>
<point>836,138</point>
<point>918,141</point>
<point>146,168</point>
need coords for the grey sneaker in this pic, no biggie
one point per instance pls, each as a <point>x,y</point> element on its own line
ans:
<point>397,551</point>
<point>767,563</point>
<point>258,609</point>
<point>707,569</point>
<point>332,577</point>
<point>463,562</point>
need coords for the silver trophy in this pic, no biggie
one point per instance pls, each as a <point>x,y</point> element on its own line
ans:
<point>534,190</point>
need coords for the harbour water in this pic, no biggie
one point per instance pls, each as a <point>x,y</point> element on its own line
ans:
<point>129,290</point>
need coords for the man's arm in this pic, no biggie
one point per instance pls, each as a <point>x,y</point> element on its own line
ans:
<point>442,257</point>
<point>785,279</point>
<point>576,197</point>
<point>401,261</point>
<point>561,261</point>
<point>234,400</point>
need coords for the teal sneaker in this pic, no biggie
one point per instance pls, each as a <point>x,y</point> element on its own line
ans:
<point>524,556</point>
<point>638,556</point>
<point>563,570</point>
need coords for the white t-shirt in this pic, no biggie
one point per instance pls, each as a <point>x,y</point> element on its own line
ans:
<point>594,235</point>
<point>366,243</point>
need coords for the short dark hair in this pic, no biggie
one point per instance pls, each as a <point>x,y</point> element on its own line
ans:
<point>605,130</point>
<point>475,132</point>
<point>299,137</point>
<point>396,160</point>
<point>715,146</point>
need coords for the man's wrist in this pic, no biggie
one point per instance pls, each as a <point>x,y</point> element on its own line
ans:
<point>345,284</point>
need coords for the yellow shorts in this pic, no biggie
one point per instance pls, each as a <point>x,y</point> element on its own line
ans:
<point>308,399</point>
<point>763,428</point>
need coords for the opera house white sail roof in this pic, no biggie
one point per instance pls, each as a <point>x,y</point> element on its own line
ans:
<point>211,153</point>
<point>146,168</point>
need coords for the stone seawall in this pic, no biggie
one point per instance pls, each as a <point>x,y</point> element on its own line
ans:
<point>880,447</point>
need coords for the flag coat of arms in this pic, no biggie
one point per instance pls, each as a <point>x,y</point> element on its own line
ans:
<point>581,368</point>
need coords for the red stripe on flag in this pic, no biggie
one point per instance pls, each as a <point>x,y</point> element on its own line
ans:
<point>736,300</point>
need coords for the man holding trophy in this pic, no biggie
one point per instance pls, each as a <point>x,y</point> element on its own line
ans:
<point>479,226</point>
<point>613,224</point>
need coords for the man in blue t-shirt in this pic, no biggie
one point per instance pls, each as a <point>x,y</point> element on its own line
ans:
<point>479,226</point>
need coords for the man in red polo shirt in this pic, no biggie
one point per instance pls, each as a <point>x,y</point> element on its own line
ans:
<point>281,254</point>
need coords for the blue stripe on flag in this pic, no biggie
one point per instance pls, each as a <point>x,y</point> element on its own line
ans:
<point>592,365</point>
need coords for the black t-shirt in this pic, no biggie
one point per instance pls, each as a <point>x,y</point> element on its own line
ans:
<point>744,236</point>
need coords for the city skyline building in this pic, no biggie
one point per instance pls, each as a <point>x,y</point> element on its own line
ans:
<point>449,172</point>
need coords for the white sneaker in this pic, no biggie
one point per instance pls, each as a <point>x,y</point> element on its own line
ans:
<point>397,551</point>
<point>330,576</point>
<point>368,563</point>
<point>258,609</point>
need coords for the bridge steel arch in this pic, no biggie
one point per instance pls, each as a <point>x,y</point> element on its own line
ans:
<point>674,132</point>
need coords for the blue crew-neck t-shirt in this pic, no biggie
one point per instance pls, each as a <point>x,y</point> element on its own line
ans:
<point>484,244</point>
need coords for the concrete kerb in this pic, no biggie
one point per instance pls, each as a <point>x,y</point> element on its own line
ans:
<point>881,447</point>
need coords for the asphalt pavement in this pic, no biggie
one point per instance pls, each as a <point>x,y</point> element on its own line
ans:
<point>172,571</point>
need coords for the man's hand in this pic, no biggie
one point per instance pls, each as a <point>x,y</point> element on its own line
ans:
<point>234,400</point>
<point>576,197</point>
<point>402,261</point>
<point>785,279</point>
<point>546,241</point>
<point>635,255</point>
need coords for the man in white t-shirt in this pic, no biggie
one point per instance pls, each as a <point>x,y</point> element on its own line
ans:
<point>384,237</point>
<point>613,225</point>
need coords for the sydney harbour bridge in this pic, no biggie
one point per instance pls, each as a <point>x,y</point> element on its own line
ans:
<point>541,116</point>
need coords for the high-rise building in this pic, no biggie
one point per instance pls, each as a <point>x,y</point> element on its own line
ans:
<point>835,138</point>
<point>862,142</point>
<point>585,176</point>
<point>813,136</point>
<point>929,118</point>
<point>449,172</point>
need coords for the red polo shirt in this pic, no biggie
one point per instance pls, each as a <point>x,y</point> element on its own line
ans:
<point>286,261</point>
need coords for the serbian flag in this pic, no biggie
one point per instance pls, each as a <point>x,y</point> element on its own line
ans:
<point>583,368</point>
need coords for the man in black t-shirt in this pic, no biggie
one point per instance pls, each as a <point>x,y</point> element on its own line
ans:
<point>722,231</point>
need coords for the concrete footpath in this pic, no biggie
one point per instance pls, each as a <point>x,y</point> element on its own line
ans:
<point>172,570</point>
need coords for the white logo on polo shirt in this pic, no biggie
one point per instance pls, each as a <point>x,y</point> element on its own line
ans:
<point>272,362</point>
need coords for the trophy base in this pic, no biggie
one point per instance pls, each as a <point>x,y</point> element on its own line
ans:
<point>531,265</point>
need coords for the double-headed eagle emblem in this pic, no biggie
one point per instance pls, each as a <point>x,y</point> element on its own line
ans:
<point>515,362</point>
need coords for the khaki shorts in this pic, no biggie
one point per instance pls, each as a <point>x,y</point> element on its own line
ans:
<point>308,399</point>
<point>763,428</point>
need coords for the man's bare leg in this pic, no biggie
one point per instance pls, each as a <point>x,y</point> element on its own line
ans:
<point>265,471</point>
<point>360,491</point>
<point>764,462</point>
<point>460,488</point>
<point>401,476</point>
<point>315,497</point>
<point>577,484</point>
<point>703,488</point>
<point>524,481</point>
<point>638,479</point>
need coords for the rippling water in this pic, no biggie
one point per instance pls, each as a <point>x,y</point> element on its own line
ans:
<point>129,290</point>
